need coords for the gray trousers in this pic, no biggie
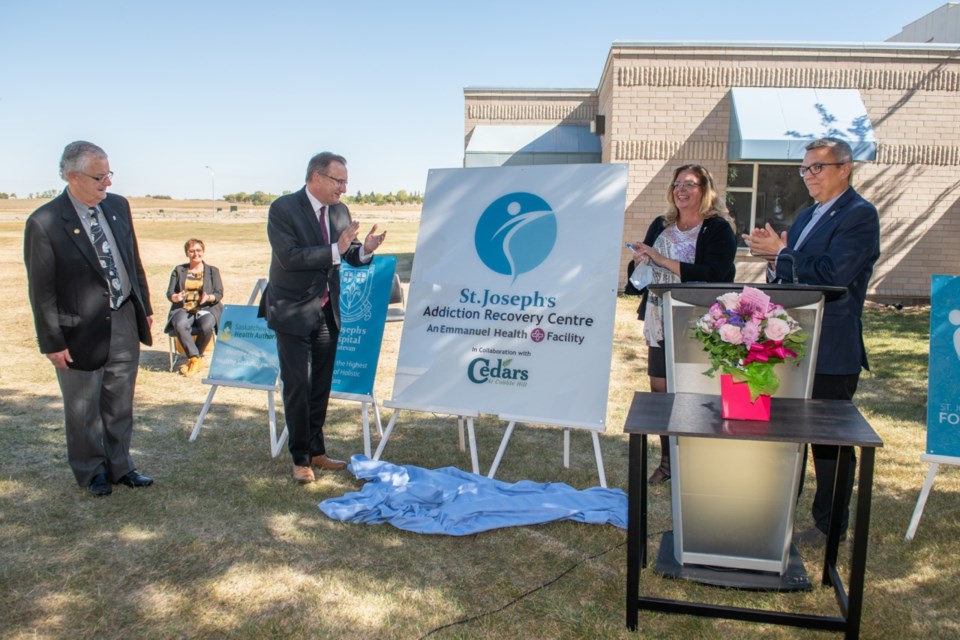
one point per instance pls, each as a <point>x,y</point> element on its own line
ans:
<point>98,405</point>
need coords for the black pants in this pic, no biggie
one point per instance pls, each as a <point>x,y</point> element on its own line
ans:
<point>306,368</point>
<point>827,387</point>
<point>183,324</point>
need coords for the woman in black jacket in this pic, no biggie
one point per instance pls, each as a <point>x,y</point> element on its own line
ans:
<point>692,242</point>
<point>196,292</point>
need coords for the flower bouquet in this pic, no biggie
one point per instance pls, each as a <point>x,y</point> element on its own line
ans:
<point>746,335</point>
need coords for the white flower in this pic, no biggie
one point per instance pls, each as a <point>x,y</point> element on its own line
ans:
<point>731,333</point>
<point>729,300</point>
<point>776,329</point>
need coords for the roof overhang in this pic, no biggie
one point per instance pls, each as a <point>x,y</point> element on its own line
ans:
<point>777,123</point>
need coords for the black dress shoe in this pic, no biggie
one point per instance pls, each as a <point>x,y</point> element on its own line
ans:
<point>100,486</point>
<point>135,479</point>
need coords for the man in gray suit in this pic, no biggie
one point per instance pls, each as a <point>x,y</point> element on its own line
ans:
<point>310,234</point>
<point>91,309</point>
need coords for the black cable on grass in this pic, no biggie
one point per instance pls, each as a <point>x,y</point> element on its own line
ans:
<point>524,595</point>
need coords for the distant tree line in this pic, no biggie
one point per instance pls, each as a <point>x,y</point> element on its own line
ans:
<point>259,198</point>
<point>400,197</point>
<point>49,193</point>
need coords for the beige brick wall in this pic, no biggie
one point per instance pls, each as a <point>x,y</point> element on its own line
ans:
<point>668,105</point>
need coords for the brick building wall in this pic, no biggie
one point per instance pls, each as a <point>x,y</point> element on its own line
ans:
<point>668,104</point>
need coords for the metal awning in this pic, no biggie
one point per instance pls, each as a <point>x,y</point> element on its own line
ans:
<point>777,123</point>
<point>498,145</point>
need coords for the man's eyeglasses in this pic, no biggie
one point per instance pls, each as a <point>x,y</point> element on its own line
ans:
<point>340,183</point>
<point>817,167</point>
<point>107,176</point>
<point>685,186</point>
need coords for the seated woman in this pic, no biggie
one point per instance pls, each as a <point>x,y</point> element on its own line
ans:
<point>196,293</point>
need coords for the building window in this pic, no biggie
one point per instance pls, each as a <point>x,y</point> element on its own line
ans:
<point>758,193</point>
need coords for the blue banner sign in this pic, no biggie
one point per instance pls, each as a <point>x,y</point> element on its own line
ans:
<point>943,392</point>
<point>364,297</point>
<point>246,349</point>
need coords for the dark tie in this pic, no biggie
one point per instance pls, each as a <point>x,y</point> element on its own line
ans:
<point>323,224</point>
<point>102,246</point>
<point>326,240</point>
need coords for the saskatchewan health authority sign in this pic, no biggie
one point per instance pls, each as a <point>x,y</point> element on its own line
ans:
<point>513,293</point>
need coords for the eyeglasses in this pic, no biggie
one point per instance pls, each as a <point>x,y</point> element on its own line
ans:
<point>685,186</point>
<point>107,176</point>
<point>817,167</point>
<point>340,183</point>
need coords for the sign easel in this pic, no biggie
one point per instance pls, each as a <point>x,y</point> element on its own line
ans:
<point>511,305</point>
<point>943,402</point>
<point>248,358</point>
<point>245,356</point>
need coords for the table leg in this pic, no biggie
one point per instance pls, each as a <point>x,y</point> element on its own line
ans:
<point>858,568</point>
<point>636,524</point>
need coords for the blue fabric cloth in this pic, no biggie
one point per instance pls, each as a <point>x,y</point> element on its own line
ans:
<point>453,502</point>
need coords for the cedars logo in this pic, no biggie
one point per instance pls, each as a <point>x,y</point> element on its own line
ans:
<point>480,371</point>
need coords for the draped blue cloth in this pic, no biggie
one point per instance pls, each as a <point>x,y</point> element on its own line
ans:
<point>454,502</point>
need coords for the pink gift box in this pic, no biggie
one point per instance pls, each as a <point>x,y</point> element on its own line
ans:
<point>735,401</point>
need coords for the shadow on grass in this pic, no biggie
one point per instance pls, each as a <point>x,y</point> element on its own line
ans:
<point>225,543</point>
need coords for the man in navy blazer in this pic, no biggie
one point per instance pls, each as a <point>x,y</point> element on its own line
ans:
<point>310,233</point>
<point>836,242</point>
<point>91,309</point>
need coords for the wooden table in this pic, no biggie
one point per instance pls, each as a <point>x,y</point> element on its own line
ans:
<point>827,422</point>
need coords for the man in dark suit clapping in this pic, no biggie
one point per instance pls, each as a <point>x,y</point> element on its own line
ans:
<point>91,308</point>
<point>310,234</point>
<point>836,242</point>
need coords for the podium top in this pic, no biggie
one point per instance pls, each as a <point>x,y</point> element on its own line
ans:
<point>829,422</point>
<point>789,295</point>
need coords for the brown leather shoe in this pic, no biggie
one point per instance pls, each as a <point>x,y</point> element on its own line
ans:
<point>329,464</point>
<point>303,475</point>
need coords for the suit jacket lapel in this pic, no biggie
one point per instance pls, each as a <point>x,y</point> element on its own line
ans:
<point>73,229</point>
<point>310,217</point>
<point>831,216</point>
<point>799,225</point>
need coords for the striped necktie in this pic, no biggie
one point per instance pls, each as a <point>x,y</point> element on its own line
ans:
<point>102,246</point>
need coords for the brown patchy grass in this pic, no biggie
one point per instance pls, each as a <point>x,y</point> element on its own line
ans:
<point>225,545</point>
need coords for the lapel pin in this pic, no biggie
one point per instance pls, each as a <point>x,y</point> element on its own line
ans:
<point>77,231</point>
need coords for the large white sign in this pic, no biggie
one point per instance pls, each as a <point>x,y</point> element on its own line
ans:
<point>513,293</point>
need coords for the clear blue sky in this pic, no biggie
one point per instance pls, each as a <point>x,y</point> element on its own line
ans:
<point>253,88</point>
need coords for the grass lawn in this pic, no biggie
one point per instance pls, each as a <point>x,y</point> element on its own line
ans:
<point>226,545</point>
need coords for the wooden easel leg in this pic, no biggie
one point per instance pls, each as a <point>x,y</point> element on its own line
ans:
<point>503,447</point>
<point>922,501</point>
<point>599,456</point>
<point>203,413</point>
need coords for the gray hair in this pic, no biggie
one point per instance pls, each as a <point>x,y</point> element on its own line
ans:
<point>320,162</point>
<point>75,156</point>
<point>841,150</point>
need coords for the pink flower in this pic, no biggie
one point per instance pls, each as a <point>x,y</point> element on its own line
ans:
<point>731,334</point>
<point>776,311</point>
<point>776,329</point>
<point>751,332</point>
